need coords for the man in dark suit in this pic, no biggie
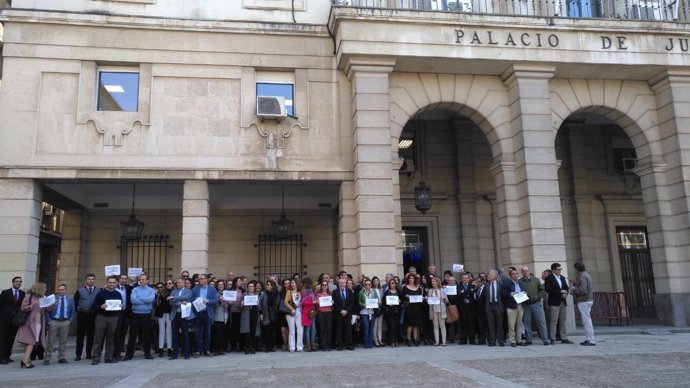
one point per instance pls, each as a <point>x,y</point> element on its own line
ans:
<point>467,310</point>
<point>480,303</point>
<point>557,288</point>
<point>123,321</point>
<point>10,302</point>
<point>343,303</point>
<point>494,309</point>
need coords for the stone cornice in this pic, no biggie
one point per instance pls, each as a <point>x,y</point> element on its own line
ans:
<point>668,77</point>
<point>368,65</point>
<point>527,71</point>
<point>159,23</point>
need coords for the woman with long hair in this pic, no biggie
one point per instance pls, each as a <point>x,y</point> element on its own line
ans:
<point>220,316</point>
<point>309,312</point>
<point>391,310</point>
<point>411,292</point>
<point>367,315</point>
<point>293,302</point>
<point>284,330</point>
<point>235,316</point>
<point>162,311</point>
<point>378,324</point>
<point>325,316</point>
<point>268,308</point>
<point>32,332</point>
<point>437,311</point>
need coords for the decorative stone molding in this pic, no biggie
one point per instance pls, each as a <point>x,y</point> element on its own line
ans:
<point>277,140</point>
<point>502,166</point>
<point>113,136</point>
<point>282,5</point>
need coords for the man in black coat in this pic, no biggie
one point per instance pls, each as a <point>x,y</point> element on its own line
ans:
<point>494,309</point>
<point>343,305</point>
<point>466,304</point>
<point>10,302</point>
<point>480,303</point>
<point>556,286</point>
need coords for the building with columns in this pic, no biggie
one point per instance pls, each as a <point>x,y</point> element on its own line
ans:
<point>554,132</point>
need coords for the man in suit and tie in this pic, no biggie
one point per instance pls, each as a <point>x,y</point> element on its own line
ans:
<point>125,291</point>
<point>557,288</point>
<point>343,303</point>
<point>86,318</point>
<point>59,321</point>
<point>467,310</point>
<point>494,309</point>
<point>480,304</point>
<point>204,319</point>
<point>10,302</point>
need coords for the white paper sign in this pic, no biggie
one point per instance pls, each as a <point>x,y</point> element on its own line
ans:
<point>185,310</point>
<point>325,301</point>
<point>134,272</point>
<point>451,290</point>
<point>372,303</point>
<point>229,296</point>
<point>113,305</point>
<point>199,304</point>
<point>458,268</point>
<point>112,270</point>
<point>433,300</point>
<point>392,300</point>
<point>251,300</point>
<point>521,297</point>
<point>46,301</point>
<point>415,299</point>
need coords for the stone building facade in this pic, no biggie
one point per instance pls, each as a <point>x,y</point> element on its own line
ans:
<point>544,138</point>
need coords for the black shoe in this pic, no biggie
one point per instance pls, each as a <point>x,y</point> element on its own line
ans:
<point>160,353</point>
<point>567,341</point>
<point>501,344</point>
<point>207,354</point>
<point>491,344</point>
<point>527,343</point>
<point>522,344</point>
<point>350,348</point>
<point>552,342</point>
<point>62,361</point>
<point>513,344</point>
<point>3,362</point>
<point>127,358</point>
<point>94,362</point>
<point>546,343</point>
<point>111,361</point>
<point>78,358</point>
<point>148,356</point>
<point>587,343</point>
<point>89,357</point>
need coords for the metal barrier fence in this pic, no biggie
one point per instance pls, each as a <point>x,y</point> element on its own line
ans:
<point>612,306</point>
<point>659,10</point>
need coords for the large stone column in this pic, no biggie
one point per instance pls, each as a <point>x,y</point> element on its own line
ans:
<point>666,195</point>
<point>20,227</point>
<point>373,184</point>
<point>195,226</point>
<point>531,223</point>
<point>73,239</point>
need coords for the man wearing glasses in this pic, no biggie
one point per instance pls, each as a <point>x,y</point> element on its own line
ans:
<point>557,288</point>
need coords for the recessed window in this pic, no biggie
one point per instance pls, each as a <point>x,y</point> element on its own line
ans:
<point>277,84</point>
<point>118,91</point>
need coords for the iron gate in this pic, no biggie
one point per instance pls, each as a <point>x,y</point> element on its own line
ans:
<point>636,270</point>
<point>149,253</point>
<point>281,255</point>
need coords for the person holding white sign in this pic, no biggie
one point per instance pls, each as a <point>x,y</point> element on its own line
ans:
<point>514,309</point>
<point>59,323</point>
<point>180,296</point>
<point>293,302</point>
<point>391,310</point>
<point>249,319</point>
<point>325,302</point>
<point>106,321</point>
<point>411,293</point>
<point>437,301</point>
<point>204,319</point>
<point>368,303</point>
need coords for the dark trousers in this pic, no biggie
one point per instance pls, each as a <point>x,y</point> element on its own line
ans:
<point>325,329</point>
<point>393,322</point>
<point>235,338</point>
<point>86,326</point>
<point>482,325</point>
<point>7,334</point>
<point>202,335</point>
<point>250,338</point>
<point>343,329</point>
<point>268,335</point>
<point>121,333</point>
<point>218,337</point>
<point>180,329</point>
<point>467,329</point>
<point>139,324</point>
<point>104,334</point>
<point>494,317</point>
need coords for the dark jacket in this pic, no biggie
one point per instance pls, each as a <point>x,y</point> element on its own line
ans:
<point>554,291</point>
<point>487,291</point>
<point>7,306</point>
<point>339,304</point>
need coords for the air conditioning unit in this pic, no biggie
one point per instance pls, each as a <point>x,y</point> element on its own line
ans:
<point>629,164</point>
<point>271,107</point>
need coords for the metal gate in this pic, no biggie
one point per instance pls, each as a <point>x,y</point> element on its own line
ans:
<point>149,253</point>
<point>636,269</point>
<point>281,255</point>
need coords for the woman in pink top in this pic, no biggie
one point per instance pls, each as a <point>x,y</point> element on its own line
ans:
<point>309,314</point>
<point>325,316</point>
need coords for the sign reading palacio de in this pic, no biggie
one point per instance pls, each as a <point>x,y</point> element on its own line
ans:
<point>532,39</point>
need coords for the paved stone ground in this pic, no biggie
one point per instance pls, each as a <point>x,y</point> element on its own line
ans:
<point>623,357</point>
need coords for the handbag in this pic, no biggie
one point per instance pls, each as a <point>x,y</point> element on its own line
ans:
<point>283,309</point>
<point>452,314</point>
<point>20,317</point>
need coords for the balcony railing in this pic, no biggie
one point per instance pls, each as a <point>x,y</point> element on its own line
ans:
<point>652,10</point>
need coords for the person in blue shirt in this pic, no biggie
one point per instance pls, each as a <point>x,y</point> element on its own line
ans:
<point>59,321</point>
<point>141,299</point>
<point>204,320</point>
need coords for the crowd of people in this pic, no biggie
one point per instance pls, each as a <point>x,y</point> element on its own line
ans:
<point>203,316</point>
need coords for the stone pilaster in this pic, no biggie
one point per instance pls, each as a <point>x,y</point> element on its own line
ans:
<point>195,226</point>
<point>20,223</point>
<point>375,227</point>
<point>665,190</point>
<point>71,248</point>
